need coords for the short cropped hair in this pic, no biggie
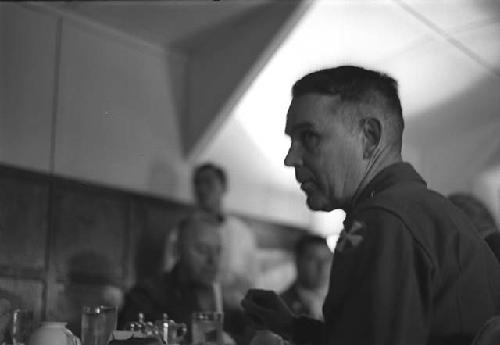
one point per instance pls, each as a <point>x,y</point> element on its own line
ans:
<point>306,241</point>
<point>218,171</point>
<point>372,93</point>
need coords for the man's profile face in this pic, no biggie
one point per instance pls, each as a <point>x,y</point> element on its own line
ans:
<point>200,253</point>
<point>327,156</point>
<point>313,266</point>
<point>208,190</point>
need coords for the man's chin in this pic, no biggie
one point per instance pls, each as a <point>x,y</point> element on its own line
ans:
<point>317,204</point>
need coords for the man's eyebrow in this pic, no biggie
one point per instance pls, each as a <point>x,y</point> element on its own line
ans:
<point>298,127</point>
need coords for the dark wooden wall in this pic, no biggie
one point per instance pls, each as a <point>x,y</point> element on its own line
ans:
<point>64,244</point>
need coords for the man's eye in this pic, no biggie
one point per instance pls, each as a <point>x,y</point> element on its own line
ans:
<point>309,139</point>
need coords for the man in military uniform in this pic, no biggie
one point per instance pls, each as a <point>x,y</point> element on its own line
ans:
<point>407,269</point>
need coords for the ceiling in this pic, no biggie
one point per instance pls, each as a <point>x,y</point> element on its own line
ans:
<point>165,23</point>
<point>445,55</point>
<point>439,51</point>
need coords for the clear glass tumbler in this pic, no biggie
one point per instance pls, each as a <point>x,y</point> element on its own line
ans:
<point>98,323</point>
<point>206,328</point>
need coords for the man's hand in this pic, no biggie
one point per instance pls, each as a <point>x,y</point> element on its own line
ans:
<point>267,310</point>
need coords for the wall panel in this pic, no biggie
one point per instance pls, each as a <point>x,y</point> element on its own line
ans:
<point>27,66</point>
<point>89,234</point>
<point>23,222</point>
<point>117,114</point>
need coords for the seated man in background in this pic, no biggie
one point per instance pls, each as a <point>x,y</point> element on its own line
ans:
<point>481,218</point>
<point>312,261</point>
<point>238,258</point>
<point>189,287</point>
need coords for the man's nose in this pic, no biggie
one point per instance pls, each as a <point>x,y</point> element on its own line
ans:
<point>292,157</point>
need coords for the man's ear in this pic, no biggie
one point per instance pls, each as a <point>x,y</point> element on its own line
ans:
<point>371,129</point>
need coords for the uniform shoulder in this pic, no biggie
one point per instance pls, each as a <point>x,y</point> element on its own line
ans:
<point>384,225</point>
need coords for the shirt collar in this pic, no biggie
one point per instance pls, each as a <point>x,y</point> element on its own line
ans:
<point>391,175</point>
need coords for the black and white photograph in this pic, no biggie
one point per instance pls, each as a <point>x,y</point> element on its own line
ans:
<point>250,172</point>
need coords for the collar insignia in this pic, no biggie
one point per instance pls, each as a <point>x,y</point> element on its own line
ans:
<point>350,238</point>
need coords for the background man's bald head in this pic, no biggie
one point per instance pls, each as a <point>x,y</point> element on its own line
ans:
<point>199,246</point>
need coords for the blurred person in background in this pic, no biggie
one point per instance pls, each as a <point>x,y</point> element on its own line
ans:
<point>8,303</point>
<point>239,266</point>
<point>481,218</point>
<point>83,267</point>
<point>191,284</point>
<point>312,261</point>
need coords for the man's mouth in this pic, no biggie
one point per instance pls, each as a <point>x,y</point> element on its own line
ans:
<point>307,186</point>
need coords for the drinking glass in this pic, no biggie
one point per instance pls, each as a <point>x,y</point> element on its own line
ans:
<point>98,323</point>
<point>206,328</point>
<point>22,323</point>
<point>172,333</point>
